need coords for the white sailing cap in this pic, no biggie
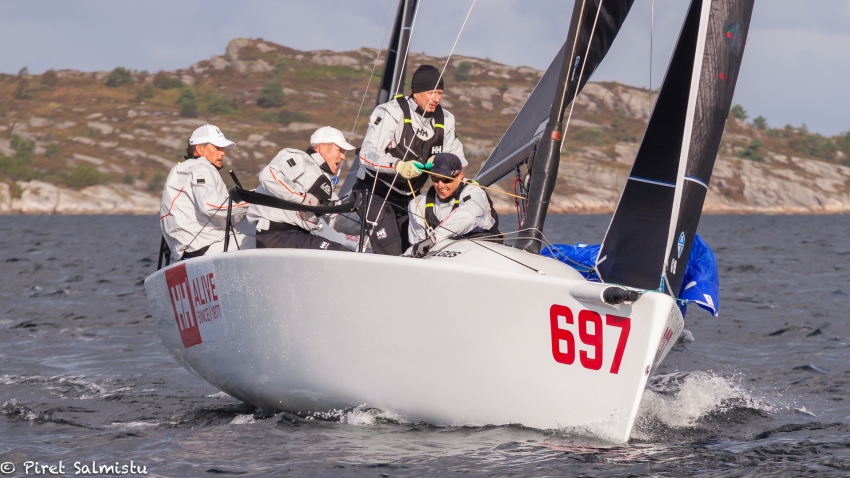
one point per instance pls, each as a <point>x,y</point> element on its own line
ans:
<point>209,134</point>
<point>326,134</point>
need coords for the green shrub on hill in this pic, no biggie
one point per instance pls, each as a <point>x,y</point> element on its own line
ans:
<point>16,169</point>
<point>83,177</point>
<point>312,71</point>
<point>592,136</point>
<point>271,96</point>
<point>23,148</point>
<point>164,82</point>
<point>145,91</point>
<point>287,117</point>
<point>462,70</point>
<point>218,106</point>
<point>817,146</point>
<point>760,122</point>
<point>22,89</point>
<point>739,112</point>
<point>19,166</point>
<point>188,103</point>
<point>52,150</point>
<point>157,182</point>
<point>753,151</point>
<point>120,76</point>
<point>49,79</point>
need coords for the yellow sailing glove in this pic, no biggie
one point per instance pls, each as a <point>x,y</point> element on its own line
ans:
<point>409,169</point>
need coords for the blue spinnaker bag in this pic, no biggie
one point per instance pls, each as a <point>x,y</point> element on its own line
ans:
<point>582,257</point>
<point>700,285</point>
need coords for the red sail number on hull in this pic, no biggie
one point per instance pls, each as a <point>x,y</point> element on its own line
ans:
<point>590,332</point>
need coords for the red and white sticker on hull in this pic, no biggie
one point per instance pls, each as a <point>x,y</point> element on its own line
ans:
<point>195,301</point>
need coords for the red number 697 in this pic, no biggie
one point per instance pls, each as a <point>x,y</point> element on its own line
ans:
<point>590,333</point>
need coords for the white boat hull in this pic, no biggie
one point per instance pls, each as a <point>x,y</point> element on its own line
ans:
<point>462,338</point>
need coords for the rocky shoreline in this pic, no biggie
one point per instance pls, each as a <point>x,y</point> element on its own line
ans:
<point>38,197</point>
<point>127,138</point>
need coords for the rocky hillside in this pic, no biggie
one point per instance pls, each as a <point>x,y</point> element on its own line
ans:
<point>102,142</point>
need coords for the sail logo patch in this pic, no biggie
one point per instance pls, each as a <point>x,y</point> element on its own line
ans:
<point>195,303</point>
<point>681,245</point>
<point>733,33</point>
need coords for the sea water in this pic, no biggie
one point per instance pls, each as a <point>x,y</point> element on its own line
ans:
<point>85,382</point>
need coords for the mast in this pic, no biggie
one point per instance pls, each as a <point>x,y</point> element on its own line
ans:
<point>544,166</point>
<point>392,77</point>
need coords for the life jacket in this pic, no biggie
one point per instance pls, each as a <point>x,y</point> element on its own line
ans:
<point>431,216</point>
<point>413,148</point>
<point>322,188</point>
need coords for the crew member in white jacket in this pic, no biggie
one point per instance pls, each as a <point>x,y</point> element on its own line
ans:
<point>402,135</point>
<point>450,208</point>
<point>193,212</point>
<point>303,177</point>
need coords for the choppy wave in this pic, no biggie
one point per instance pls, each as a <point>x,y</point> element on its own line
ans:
<point>74,386</point>
<point>359,415</point>
<point>12,409</point>
<point>682,400</point>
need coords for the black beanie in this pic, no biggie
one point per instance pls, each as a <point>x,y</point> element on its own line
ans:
<point>425,78</point>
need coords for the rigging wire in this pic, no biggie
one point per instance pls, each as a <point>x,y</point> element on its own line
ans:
<point>366,90</point>
<point>418,208</point>
<point>651,34</point>
<point>371,75</point>
<point>397,88</point>
<point>478,243</point>
<point>421,115</point>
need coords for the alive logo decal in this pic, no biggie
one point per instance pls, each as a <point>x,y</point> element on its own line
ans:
<point>195,301</point>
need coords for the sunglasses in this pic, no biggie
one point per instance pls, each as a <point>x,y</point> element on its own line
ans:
<point>436,180</point>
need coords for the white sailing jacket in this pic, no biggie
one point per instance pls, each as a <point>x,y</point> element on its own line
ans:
<point>193,212</point>
<point>471,215</point>
<point>296,176</point>
<point>385,127</point>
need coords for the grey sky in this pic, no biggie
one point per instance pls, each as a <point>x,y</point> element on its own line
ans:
<point>795,68</point>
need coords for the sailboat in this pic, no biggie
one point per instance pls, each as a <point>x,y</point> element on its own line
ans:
<point>496,334</point>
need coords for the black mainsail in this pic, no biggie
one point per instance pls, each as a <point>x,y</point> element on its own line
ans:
<point>392,77</point>
<point>650,236</point>
<point>521,137</point>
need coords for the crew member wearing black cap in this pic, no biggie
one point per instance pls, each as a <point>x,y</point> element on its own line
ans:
<point>403,134</point>
<point>451,208</point>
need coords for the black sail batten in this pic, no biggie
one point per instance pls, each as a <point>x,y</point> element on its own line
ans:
<point>650,236</point>
<point>392,76</point>
<point>518,142</point>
